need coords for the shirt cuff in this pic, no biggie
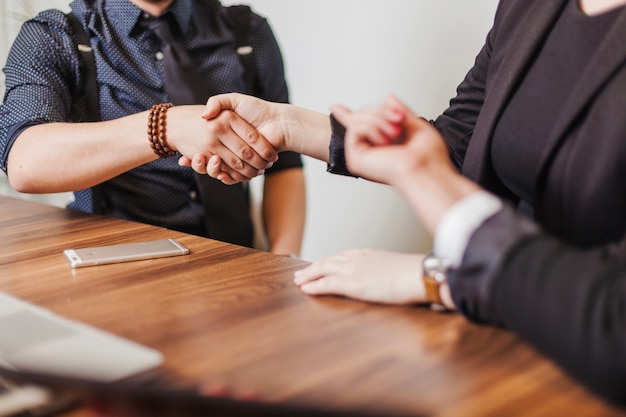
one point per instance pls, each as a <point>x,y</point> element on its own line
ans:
<point>460,222</point>
<point>336,150</point>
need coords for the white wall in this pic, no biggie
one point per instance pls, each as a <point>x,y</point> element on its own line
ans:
<point>355,52</point>
<point>12,14</point>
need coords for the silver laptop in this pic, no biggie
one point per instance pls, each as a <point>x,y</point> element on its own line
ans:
<point>36,340</point>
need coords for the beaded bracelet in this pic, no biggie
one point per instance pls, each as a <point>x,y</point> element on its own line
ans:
<point>156,130</point>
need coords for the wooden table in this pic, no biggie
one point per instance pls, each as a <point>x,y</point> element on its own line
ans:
<point>231,315</point>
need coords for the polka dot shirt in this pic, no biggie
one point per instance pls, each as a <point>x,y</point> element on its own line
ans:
<point>44,84</point>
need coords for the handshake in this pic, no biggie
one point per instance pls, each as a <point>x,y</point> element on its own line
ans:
<point>385,143</point>
<point>245,136</point>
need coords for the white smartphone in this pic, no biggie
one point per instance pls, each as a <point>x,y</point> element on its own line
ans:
<point>124,252</point>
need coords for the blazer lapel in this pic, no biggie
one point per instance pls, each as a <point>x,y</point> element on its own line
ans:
<point>608,58</point>
<point>527,35</point>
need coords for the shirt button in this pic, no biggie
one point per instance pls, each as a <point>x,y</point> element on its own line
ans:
<point>147,16</point>
<point>193,195</point>
<point>159,56</point>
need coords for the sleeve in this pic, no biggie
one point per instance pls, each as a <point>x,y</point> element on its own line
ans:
<point>568,303</point>
<point>268,61</point>
<point>457,122</point>
<point>271,74</point>
<point>336,149</point>
<point>41,61</point>
<point>459,223</point>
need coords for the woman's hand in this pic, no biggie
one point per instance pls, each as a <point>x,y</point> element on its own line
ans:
<point>390,144</point>
<point>367,274</point>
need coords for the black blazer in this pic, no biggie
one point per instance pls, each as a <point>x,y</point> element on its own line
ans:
<point>559,282</point>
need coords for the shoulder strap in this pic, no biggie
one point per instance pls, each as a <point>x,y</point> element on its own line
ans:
<point>92,94</point>
<point>240,17</point>
<point>89,64</point>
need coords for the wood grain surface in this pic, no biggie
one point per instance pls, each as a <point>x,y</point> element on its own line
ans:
<point>230,315</point>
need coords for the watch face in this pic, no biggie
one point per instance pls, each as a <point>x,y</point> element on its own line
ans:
<point>434,265</point>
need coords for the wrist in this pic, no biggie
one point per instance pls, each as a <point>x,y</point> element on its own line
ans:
<point>434,190</point>
<point>306,132</point>
<point>286,122</point>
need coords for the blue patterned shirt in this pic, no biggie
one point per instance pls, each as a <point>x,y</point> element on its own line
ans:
<point>44,84</point>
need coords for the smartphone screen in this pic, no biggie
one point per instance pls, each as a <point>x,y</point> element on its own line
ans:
<point>124,252</point>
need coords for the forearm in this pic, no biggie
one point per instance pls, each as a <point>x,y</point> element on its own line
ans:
<point>431,195</point>
<point>306,131</point>
<point>284,206</point>
<point>59,157</point>
<point>432,191</point>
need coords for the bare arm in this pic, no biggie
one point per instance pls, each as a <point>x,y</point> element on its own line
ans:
<point>77,155</point>
<point>58,157</point>
<point>284,207</point>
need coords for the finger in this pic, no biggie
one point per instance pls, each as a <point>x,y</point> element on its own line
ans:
<point>373,128</point>
<point>329,285</point>
<point>217,169</point>
<point>388,119</point>
<point>214,166</point>
<point>233,135</point>
<point>330,265</point>
<point>233,165</point>
<point>379,125</point>
<point>310,273</point>
<point>231,176</point>
<point>183,161</point>
<point>228,180</point>
<point>198,164</point>
<point>253,147</point>
<point>395,103</point>
<point>214,169</point>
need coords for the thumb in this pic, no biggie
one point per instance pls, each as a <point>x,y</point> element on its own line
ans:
<point>215,104</point>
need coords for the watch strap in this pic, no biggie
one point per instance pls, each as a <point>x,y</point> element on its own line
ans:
<point>434,274</point>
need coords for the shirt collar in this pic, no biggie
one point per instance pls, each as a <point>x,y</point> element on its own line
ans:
<point>128,16</point>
